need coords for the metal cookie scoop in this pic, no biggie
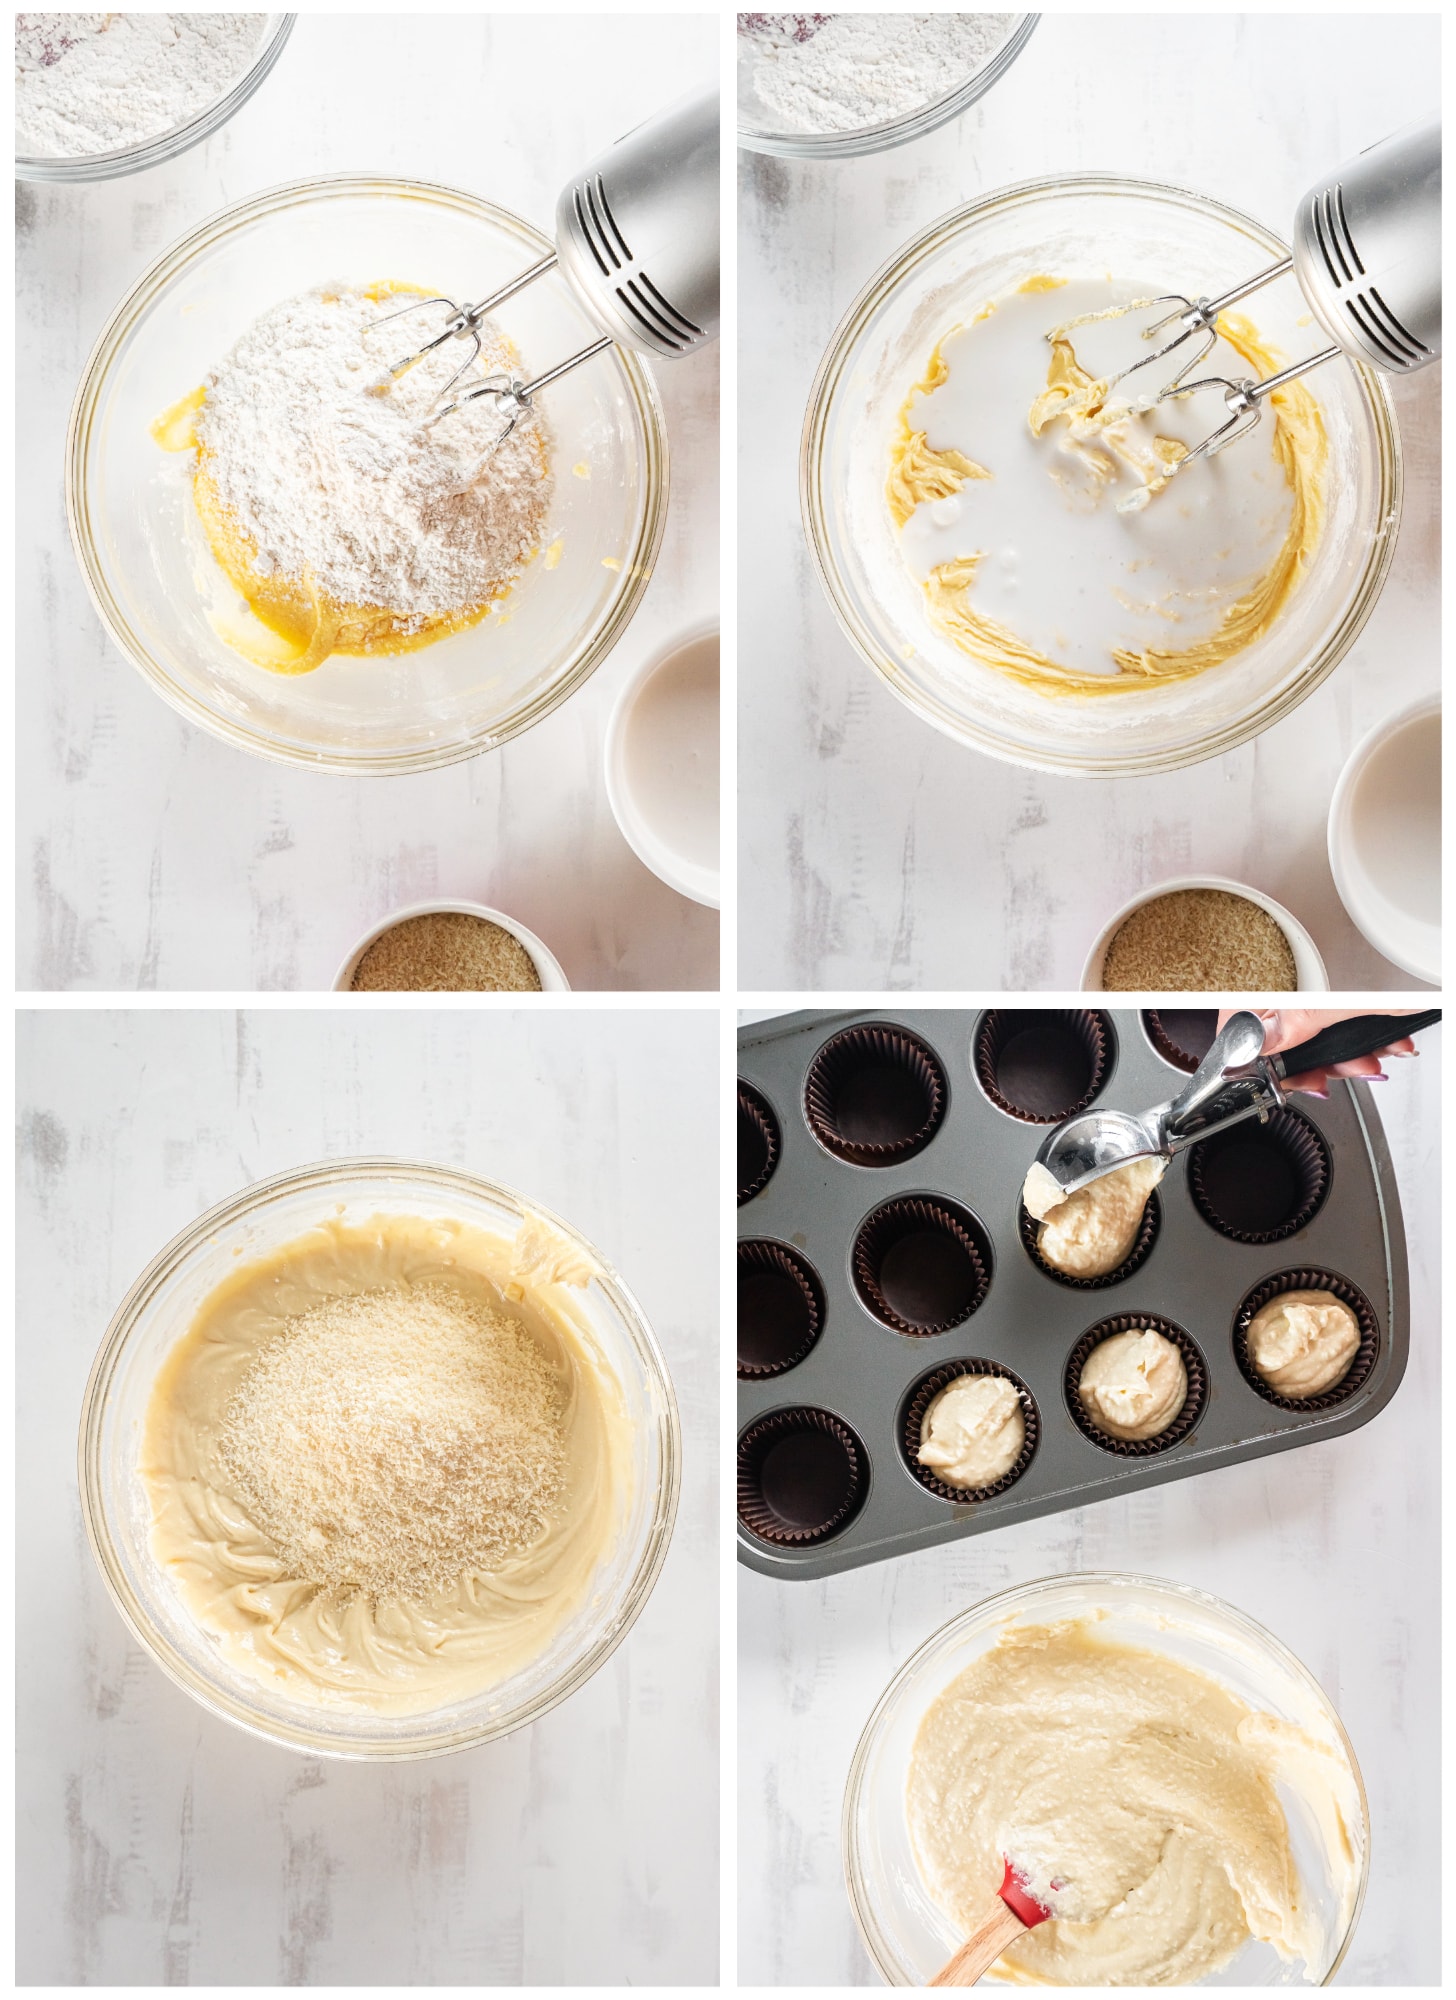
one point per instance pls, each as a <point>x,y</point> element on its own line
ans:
<point>1235,1080</point>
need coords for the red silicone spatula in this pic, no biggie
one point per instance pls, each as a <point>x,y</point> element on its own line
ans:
<point>1016,1912</point>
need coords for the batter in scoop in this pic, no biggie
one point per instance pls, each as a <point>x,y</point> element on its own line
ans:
<point>1091,1232</point>
<point>1144,1789</point>
<point>404,1520</point>
<point>1034,504</point>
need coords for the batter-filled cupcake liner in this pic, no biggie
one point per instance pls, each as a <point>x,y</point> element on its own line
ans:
<point>1193,1402</point>
<point>952,1288</point>
<point>802,1477</point>
<point>1241,1178</point>
<point>780,1309</point>
<point>1182,1036</point>
<point>1355,1376</point>
<point>1139,1254</point>
<point>924,1394</point>
<point>1042,1064</point>
<point>875,1095</point>
<point>758,1143</point>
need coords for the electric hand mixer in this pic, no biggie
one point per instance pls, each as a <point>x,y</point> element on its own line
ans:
<point>1367,254</point>
<point>636,239</point>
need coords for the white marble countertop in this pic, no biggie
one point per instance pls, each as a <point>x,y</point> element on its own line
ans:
<point>161,1846</point>
<point>874,852</point>
<point>151,855</point>
<point>1333,1547</point>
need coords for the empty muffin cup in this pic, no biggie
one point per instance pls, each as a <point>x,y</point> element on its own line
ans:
<point>1193,1402</point>
<point>1358,1372</point>
<point>758,1143</point>
<point>1182,1036</point>
<point>875,1095</point>
<point>780,1309</point>
<point>1141,1250</point>
<point>1041,1064</point>
<point>1261,1182</point>
<point>924,1394</point>
<point>922,1264</point>
<point>802,1477</point>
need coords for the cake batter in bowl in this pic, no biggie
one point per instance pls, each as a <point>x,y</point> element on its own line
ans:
<point>194,1622</point>
<point>1084,230</point>
<point>907,1932</point>
<point>166,601</point>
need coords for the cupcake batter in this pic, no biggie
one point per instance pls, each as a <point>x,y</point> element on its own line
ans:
<point>1091,1232</point>
<point>973,1432</point>
<point>1302,1343</point>
<point>346,523</point>
<point>1035,509</point>
<point>337,1646</point>
<point>1133,1384</point>
<point>1144,1790</point>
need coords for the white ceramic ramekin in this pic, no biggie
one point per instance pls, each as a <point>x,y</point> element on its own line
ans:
<point>1309,967</point>
<point>1385,838</point>
<point>553,979</point>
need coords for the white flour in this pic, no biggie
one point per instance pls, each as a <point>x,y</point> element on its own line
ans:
<point>97,83</point>
<point>841,72</point>
<point>342,485</point>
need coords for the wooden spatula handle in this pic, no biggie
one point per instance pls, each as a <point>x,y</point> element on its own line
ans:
<point>998,1928</point>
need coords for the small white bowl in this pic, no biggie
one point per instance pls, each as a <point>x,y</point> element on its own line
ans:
<point>1309,968</point>
<point>678,756</point>
<point>1385,838</point>
<point>553,979</point>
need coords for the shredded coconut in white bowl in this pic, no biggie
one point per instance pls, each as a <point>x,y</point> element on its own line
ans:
<point>103,83</point>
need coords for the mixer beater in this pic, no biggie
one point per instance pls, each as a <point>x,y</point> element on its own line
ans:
<point>1367,254</point>
<point>636,239</point>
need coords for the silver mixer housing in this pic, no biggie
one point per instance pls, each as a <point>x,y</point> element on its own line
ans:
<point>637,231</point>
<point>1367,252</point>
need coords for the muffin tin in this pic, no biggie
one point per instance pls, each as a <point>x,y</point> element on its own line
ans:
<point>876,1283</point>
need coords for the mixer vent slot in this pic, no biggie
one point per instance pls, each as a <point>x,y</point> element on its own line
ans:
<point>1332,233</point>
<point>599,227</point>
<point>1383,332</point>
<point>664,325</point>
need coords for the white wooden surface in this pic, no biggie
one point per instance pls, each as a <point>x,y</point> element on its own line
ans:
<point>874,852</point>
<point>150,855</point>
<point>158,1845</point>
<point>1334,1547</point>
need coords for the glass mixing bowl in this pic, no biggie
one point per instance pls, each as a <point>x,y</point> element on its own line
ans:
<point>155,582</point>
<point>157,1312</point>
<point>165,145</point>
<point>909,1937</point>
<point>757,131</point>
<point>1083,226</point>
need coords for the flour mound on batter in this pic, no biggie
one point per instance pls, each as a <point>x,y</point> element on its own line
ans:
<point>1091,1232</point>
<point>1144,1789</point>
<point>348,523</point>
<point>1036,505</point>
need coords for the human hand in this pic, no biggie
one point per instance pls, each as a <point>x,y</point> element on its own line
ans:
<point>1287,1027</point>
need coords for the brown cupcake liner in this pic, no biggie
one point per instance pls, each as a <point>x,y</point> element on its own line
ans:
<point>924,1393</point>
<point>1193,1403</point>
<point>909,1215</point>
<point>761,1256</point>
<point>852,1052</point>
<point>1141,1250</point>
<point>1156,1020</point>
<point>999,1026</point>
<point>758,1129</point>
<point>783,1427</point>
<point>1358,1372</point>
<point>1302,1144</point>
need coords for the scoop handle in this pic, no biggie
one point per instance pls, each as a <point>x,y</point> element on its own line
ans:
<point>1343,1041</point>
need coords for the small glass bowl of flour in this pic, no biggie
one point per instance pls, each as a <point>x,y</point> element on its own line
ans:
<point>101,95</point>
<point>829,86</point>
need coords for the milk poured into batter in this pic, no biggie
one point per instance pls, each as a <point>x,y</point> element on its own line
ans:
<point>1069,559</point>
